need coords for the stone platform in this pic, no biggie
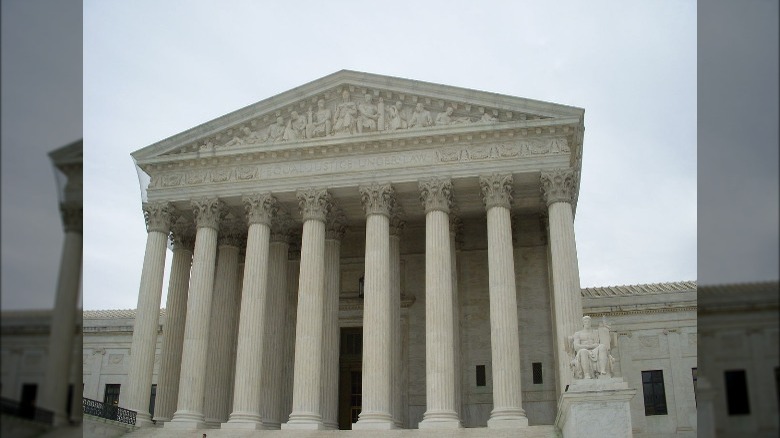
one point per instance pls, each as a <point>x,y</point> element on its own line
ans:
<point>528,432</point>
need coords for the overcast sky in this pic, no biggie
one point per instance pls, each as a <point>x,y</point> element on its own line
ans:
<point>153,69</point>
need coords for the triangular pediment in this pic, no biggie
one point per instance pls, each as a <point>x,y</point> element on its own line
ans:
<point>351,105</point>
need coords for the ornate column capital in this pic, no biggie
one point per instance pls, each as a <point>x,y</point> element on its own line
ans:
<point>208,212</point>
<point>183,234</point>
<point>436,194</point>
<point>335,224</point>
<point>260,208</point>
<point>377,198</point>
<point>280,227</point>
<point>158,216</point>
<point>72,216</point>
<point>496,190</point>
<point>559,185</point>
<point>231,232</point>
<point>314,203</point>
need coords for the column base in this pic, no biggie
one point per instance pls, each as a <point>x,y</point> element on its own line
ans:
<point>186,420</point>
<point>440,420</point>
<point>304,421</point>
<point>330,426</point>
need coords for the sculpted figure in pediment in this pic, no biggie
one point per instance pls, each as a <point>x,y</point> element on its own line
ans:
<point>247,136</point>
<point>344,118</point>
<point>296,128</point>
<point>421,117</point>
<point>208,145</point>
<point>276,131</point>
<point>367,115</point>
<point>446,118</point>
<point>487,118</point>
<point>395,116</point>
<point>321,126</point>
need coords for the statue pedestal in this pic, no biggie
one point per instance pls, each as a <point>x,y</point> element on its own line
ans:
<point>595,408</point>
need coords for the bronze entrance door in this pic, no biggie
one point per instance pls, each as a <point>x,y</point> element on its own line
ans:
<point>350,376</point>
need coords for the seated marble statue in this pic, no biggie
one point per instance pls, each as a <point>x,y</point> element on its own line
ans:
<point>590,348</point>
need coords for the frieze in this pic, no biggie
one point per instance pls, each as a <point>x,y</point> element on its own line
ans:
<point>518,149</point>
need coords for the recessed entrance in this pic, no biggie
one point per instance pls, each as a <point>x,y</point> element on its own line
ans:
<point>350,376</point>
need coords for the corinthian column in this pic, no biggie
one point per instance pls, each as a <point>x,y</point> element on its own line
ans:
<point>334,231</point>
<point>378,200</point>
<point>260,210</point>
<point>222,327</point>
<point>192,382</point>
<point>183,242</point>
<point>306,414</point>
<point>275,318</point>
<point>54,394</point>
<point>504,337</point>
<point>559,187</point>
<point>456,227</point>
<point>436,197</point>
<point>396,228</point>
<point>158,217</point>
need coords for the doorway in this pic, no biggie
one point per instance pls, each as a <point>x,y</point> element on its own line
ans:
<point>350,376</point>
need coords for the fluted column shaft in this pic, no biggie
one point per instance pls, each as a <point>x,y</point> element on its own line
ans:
<point>192,383</point>
<point>396,225</point>
<point>147,319</point>
<point>505,338</point>
<point>222,332</point>
<point>377,328</point>
<point>173,332</point>
<point>330,326</point>
<point>276,315</point>
<point>254,298</point>
<point>307,378</point>
<point>439,340</point>
<point>54,394</point>
<point>559,188</point>
<point>456,319</point>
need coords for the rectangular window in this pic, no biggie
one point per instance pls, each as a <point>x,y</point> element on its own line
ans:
<point>111,396</point>
<point>736,392</point>
<point>481,380</point>
<point>27,401</point>
<point>537,370</point>
<point>654,392</point>
<point>695,375</point>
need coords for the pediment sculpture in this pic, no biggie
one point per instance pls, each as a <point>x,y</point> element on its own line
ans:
<point>344,118</point>
<point>590,351</point>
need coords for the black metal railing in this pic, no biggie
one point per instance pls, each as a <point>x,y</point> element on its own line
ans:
<point>26,411</point>
<point>109,412</point>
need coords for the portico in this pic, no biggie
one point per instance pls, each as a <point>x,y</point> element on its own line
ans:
<point>375,202</point>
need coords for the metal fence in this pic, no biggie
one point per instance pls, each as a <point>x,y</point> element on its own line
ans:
<point>109,412</point>
<point>26,411</point>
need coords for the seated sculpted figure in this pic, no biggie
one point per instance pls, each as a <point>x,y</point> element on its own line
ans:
<point>344,117</point>
<point>321,126</point>
<point>367,115</point>
<point>590,348</point>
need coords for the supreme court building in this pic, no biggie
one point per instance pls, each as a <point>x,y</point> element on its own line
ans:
<point>364,252</point>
